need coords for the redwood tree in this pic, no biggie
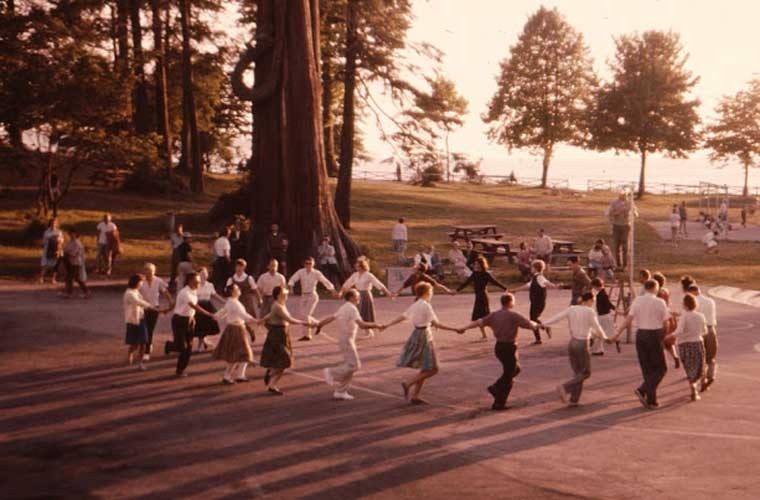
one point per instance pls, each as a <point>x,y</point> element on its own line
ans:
<point>288,182</point>
<point>191,146</point>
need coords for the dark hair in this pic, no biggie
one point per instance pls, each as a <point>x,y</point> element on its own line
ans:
<point>597,282</point>
<point>134,280</point>
<point>276,292</point>
<point>693,289</point>
<point>507,299</point>
<point>651,285</point>
<point>686,282</point>
<point>401,220</point>
<point>224,231</point>
<point>573,259</point>
<point>659,278</point>
<point>190,277</point>
<point>51,222</point>
<point>587,296</point>
<point>421,289</point>
<point>309,258</point>
<point>350,293</point>
<point>690,302</point>
<point>644,273</point>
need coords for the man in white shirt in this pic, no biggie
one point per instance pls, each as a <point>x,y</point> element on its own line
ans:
<point>543,246</point>
<point>649,314</point>
<point>349,321</point>
<point>222,259</point>
<point>266,283</point>
<point>399,237</point>
<point>151,290</point>
<point>183,323</point>
<point>583,324</point>
<point>707,307</point>
<point>309,278</point>
<point>327,262</point>
<point>103,259</point>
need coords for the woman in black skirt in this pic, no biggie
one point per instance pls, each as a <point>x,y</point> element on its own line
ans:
<point>206,325</point>
<point>480,278</point>
<point>277,353</point>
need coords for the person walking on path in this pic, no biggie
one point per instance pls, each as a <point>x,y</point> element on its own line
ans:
<point>183,323</point>
<point>619,214</point>
<point>399,239</point>
<point>103,261</point>
<point>250,296</point>
<point>504,323</point>
<point>420,275</point>
<point>692,326</point>
<point>134,316</point>
<point>537,288</point>
<point>707,306</point>
<point>605,312</point>
<point>349,320</point>
<point>580,282</point>
<point>234,346</point>
<point>649,314</point>
<point>277,353</point>
<point>73,260</point>
<point>419,350</point>
<point>480,279</point>
<point>222,259</point>
<point>675,224</point>
<point>364,281</point>
<point>664,294</point>
<point>152,289</point>
<point>683,218</point>
<point>206,325</point>
<point>309,278</point>
<point>52,251</point>
<point>583,324</point>
<point>266,284</point>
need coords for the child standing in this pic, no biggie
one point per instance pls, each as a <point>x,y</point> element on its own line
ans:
<point>604,310</point>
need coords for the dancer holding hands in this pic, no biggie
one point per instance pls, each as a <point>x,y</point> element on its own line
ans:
<point>692,326</point>
<point>234,346</point>
<point>480,279</point>
<point>364,281</point>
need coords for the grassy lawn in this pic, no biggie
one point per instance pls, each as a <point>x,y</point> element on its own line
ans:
<point>430,212</point>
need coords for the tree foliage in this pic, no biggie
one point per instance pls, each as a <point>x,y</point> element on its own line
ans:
<point>543,90</point>
<point>647,106</point>
<point>735,134</point>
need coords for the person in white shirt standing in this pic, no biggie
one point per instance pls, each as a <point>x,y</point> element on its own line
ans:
<point>134,317</point>
<point>349,321</point>
<point>419,350</point>
<point>649,314</point>
<point>309,279</point>
<point>266,284</point>
<point>706,306</point>
<point>543,246</point>
<point>183,323</point>
<point>104,256</point>
<point>691,327</point>
<point>221,269</point>
<point>675,223</point>
<point>234,346</point>
<point>364,281</point>
<point>152,289</point>
<point>399,237</point>
<point>583,324</point>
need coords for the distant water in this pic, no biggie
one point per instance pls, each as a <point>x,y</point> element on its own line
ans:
<point>617,168</point>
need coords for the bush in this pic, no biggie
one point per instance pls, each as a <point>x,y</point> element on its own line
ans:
<point>229,205</point>
<point>152,182</point>
<point>430,175</point>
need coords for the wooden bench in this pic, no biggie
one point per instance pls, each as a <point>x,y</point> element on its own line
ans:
<point>491,248</point>
<point>469,231</point>
<point>109,177</point>
<point>558,261</point>
<point>459,236</point>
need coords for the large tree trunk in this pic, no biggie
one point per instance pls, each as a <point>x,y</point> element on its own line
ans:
<point>141,112</point>
<point>288,179</point>
<point>328,120</point>
<point>162,98</point>
<point>345,172</point>
<point>745,191</point>
<point>642,186</point>
<point>122,56</point>
<point>191,148</point>
<point>548,150</point>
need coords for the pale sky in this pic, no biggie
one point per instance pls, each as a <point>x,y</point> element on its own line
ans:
<point>720,37</point>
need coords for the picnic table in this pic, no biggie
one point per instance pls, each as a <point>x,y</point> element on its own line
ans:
<point>470,231</point>
<point>492,247</point>
<point>564,247</point>
<point>109,176</point>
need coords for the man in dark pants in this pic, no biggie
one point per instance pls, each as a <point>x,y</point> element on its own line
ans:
<point>537,287</point>
<point>649,313</point>
<point>183,322</point>
<point>504,324</point>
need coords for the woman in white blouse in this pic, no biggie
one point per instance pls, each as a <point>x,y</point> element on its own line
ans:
<point>363,280</point>
<point>134,317</point>
<point>419,351</point>
<point>235,345</point>
<point>206,325</point>
<point>692,326</point>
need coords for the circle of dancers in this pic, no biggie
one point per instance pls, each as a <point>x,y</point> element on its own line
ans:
<point>249,304</point>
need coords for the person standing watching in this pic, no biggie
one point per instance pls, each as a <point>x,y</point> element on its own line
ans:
<point>619,213</point>
<point>176,238</point>
<point>543,246</point>
<point>152,289</point>
<point>277,248</point>
<point>400,237</point>
<point>222,260</point>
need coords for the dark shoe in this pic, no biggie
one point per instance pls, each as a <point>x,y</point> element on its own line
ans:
<point>266,378</point>
<point>227,382</point>
<point>275,392</point>
<point>499,407</point>
<point>642,397</point>
<point>305,338</point>
<point>597,354</point>
<point>536,342</point>
<point>653,406</point>
<point>181,375</point>
<point>492,390</point>
<point>418,401</point>
<point>706,384</point>
<point>166,349</point>
<point>242,380</point>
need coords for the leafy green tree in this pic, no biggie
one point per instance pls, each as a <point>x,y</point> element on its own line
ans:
<point>736,131</point>
<point>544,89</point>
<point>647,107</point>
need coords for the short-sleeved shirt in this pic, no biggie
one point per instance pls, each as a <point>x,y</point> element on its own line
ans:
<point>222,247</point>
<point>649,312</point>
<point>185,298</point>
<point>151,292</point>
<point>421,314</point>
<point>267,282</point>
<point>399,232</point>
<point>205,291</point>
<point>103,229</point>
<point>505,323</point>
<point>346,318</point>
